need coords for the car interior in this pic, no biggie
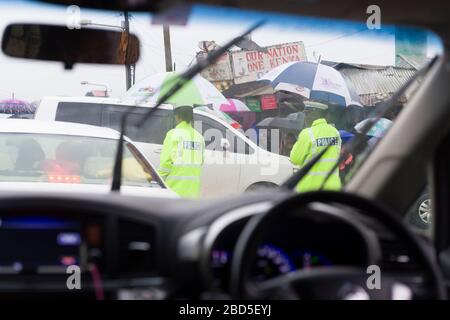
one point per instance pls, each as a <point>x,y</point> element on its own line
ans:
<point>258,245</point>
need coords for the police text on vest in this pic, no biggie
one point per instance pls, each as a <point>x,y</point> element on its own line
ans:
<point>324,142</point>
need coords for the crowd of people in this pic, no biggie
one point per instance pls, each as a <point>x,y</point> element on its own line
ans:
<point>324,126</point>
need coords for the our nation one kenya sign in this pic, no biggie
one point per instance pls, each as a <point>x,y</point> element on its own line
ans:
<point>252,65</point>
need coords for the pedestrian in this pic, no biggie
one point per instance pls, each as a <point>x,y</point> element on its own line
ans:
<point>317,135</point>
<point>287,143</point>
<point>182,155</point>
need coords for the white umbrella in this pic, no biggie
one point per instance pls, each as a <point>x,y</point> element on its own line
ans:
<point>198,91</point>
<point>234,105</point>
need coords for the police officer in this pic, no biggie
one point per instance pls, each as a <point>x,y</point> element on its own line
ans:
<point>182,155</point>
<point>317,135</point>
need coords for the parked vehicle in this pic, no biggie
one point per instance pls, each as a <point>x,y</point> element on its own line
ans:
<point>62,157</point>
<point>420,213</point>
<point>230,156</point>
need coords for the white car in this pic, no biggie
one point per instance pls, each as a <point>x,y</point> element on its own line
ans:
<point>63,157</point>
<point>233,163</point>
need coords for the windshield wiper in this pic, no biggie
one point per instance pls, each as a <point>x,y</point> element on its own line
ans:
<point>359,141</point>
<point>303,171</point>
<point>360,138</point>
<point>183,79</point>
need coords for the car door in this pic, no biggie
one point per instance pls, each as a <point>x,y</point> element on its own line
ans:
<point>149,137</point>
<point>221,171</point>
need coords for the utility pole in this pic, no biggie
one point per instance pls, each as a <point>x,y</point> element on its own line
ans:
<point>128,68</point>
<point>167,47</point>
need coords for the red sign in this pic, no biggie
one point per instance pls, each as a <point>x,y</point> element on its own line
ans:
<point>268,102</point>
<point>97,93</point>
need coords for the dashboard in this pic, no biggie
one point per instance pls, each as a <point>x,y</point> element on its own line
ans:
<point>136,248</point>
<point>293,246</point>
<point>45,244</point>
<point>40,246</point>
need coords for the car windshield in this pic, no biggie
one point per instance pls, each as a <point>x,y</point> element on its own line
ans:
<point>56,158</point>
<point>247,122</point>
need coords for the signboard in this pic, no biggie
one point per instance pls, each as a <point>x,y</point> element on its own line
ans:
<point>97,93</point>
<point>253,104</point>
<point>268,102</point>
<point>252,65</point>
<point>219,71</point>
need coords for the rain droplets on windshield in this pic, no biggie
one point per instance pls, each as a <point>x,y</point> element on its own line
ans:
<point>247,122</point>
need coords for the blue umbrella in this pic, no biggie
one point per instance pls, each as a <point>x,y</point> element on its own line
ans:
<point>345,136</point>
<point>378,130</point>
<point>313,81</point>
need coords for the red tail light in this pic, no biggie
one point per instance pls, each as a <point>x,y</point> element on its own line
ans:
<point>57,178</point>
<point>236,125</point>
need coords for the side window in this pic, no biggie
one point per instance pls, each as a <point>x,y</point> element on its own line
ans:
<point>238,145</point>
<point>153,131</point>
<point>84,113</point>
<point>213,132</point>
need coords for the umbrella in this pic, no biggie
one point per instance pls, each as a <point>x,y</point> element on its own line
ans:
<point>197,91</point>
<point>313,81</point>
<point>345,135</point>
<point>15,106</point>
<point>234,105</point>
<point>294,121</point>
<point>378,129</point>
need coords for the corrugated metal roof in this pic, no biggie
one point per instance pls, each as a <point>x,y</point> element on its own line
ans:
<point>371,80</point>
<point>372,99</point>
<point>411,61</point>
<point>376,81</point>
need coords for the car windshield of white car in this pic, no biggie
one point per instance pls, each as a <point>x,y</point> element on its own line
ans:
<point>51,158</point>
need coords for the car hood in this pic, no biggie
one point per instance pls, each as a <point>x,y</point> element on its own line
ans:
<point>85,188</point>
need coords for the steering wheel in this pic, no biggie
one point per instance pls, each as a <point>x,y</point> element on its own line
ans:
<point>336,282</point>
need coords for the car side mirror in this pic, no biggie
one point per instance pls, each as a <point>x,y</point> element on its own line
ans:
<point>70,46</point>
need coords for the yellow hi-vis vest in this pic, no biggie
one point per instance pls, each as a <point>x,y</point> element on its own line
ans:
<point>182,159</point>
<point>312,141</point>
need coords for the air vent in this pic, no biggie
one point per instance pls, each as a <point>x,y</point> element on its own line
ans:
<point>136,241</point>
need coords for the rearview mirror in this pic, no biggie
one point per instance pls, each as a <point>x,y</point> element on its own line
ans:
<point>59,43</point>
